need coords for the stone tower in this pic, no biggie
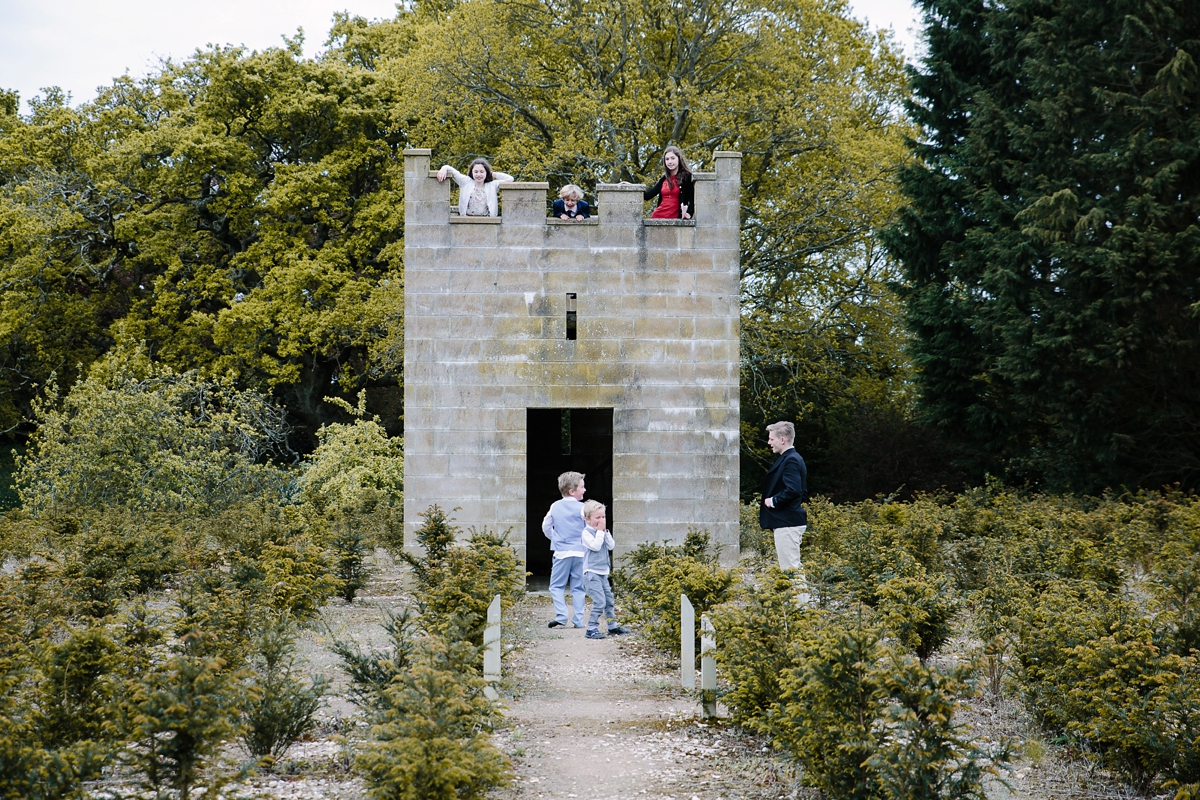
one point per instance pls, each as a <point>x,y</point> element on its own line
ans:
<point>608,346</point>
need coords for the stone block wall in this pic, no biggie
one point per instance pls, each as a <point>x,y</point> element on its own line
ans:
<point>657,341</point>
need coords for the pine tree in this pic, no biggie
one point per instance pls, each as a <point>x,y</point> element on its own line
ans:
<point>1051,247</point>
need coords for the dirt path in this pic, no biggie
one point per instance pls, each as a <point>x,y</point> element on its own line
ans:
<point>606,719</point>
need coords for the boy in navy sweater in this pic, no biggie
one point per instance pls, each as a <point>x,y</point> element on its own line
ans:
<point>599,543</point>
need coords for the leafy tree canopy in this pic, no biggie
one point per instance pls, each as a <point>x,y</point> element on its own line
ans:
<point>237,212</point>
<point>241,212</point>
<point>138,435</point>
<point>1051,244</point>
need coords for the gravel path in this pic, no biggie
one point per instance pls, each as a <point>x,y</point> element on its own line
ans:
<point>607,719</point>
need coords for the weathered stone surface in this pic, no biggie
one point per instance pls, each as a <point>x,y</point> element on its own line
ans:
<point>657,327</point>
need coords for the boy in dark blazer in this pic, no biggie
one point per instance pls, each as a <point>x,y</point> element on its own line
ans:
<point>784,491</point>
<point>570,203</point>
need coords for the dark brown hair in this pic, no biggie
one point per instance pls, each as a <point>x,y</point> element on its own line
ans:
<point>683,166</point>
<point>487,167</point>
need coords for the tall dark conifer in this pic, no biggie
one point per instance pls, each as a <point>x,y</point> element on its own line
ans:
<point>1052,243</point>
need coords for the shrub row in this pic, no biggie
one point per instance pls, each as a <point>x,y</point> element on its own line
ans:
<point>1087,608</point>
<point>431,719</point>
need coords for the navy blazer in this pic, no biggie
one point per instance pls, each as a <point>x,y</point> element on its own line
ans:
<point>787,483</point>
<point>580,208</point>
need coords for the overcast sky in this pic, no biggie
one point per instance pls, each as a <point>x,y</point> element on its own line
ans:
<point>80,45</point>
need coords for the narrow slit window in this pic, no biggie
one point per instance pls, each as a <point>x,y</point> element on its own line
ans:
<point>571,326</point>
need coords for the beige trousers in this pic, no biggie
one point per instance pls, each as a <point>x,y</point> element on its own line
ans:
<point>787,546</point>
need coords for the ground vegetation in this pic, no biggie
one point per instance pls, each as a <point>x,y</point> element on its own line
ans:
<point>1078,609</point>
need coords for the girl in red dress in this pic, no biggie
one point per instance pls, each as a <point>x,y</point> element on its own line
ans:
<point>676,197</point>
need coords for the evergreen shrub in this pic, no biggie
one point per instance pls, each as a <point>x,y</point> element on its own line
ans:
<point>755,645</point>
<point>280,707</point>
<point>457,582</point>
<point>371,671</point>
<point>654,575</point>
<point>830,703</point>
<point>919,612</point>
<point>433,731</point>
<point>921,751</point>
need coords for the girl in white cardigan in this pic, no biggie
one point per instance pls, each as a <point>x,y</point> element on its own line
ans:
<point>477,194</point>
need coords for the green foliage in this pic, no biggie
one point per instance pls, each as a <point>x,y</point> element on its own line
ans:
<point>297,578</point>
<point>36,764</point>
<point>921,751</point>
<point>110,556</point>
<point>356,476</point>
<point>918,612</point>
<point>79,686</point>
<point>436,536</point>
<point>1049,259</point>
<point>1094,670</point>
<point>1055,593</point>
<point>755,647</point>
<point>350,551</point>
<point>280,708</point>
<point>655,575</point>
<point>858,547</point>
<point>999,610</point>
<point>830,704</point>
<point>236,211</point>
<point>1175,577</point>
<point>8,466</point>
<point>425,692</point>
<point>865,722</point>
<point>354,463</point>
<point>372,671</point>
<point>751,536</point>
<point>179,715</point>
<point>457,583</point>
<point>432,738</point>
<point>138,435</point>
<point>279,555</point>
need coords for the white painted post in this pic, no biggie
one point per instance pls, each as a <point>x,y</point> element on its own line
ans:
<point>708,667</point>
<point>687,642</point>
<point>491,650</point>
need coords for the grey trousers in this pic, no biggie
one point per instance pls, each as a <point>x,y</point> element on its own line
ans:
<point>600,590</point>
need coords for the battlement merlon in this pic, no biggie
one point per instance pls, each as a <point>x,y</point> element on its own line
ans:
<point>427,202</point>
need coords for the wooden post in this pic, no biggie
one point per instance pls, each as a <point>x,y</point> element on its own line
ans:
<point>491,650</point>
<point>687,643</point>
<point>708,667</point>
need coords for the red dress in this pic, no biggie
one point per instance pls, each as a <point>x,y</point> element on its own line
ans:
<point>668,203</point>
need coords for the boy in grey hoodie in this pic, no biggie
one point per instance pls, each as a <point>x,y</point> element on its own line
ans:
<point>563,526</point>
<point>599,543</point>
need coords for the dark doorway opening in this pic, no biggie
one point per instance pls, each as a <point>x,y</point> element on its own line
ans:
<point>559,440</point>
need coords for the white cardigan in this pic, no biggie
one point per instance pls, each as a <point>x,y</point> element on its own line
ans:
<point>491,190</point>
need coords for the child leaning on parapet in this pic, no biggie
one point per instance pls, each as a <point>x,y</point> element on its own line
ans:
<point>563,526</point>
<point>570,203</point>
<point>478,195</point>
<point>599,543</point>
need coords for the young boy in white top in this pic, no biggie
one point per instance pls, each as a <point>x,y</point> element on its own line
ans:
<point>563,526</point>
<point>599,543</point>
